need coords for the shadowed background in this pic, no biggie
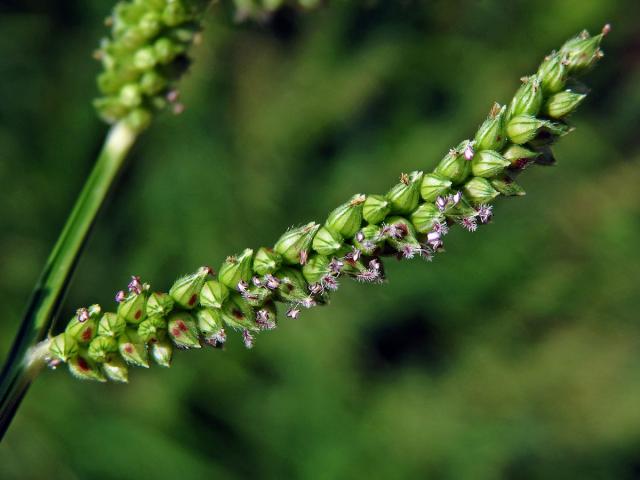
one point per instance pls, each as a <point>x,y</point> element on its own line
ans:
<point>514,355</point>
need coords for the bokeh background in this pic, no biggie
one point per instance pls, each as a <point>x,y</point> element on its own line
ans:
<point>515,355</point>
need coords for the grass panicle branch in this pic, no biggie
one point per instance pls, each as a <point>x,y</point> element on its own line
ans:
<point>307,263</point>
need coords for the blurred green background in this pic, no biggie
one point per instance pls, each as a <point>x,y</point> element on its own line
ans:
<point>516,355</point>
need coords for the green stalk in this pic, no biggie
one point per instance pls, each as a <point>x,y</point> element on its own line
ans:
<point>26,357</point>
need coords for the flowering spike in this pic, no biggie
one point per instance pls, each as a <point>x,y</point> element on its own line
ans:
<point>185,291</point>
<point>235,269</point>
<point>294,245</point>
<point>347,218</point>
<point>375,209</point>
<point>245,293</point>
<point>144,57</point>
<point>183,330</point>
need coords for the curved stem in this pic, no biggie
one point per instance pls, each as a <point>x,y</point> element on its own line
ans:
<point>26,357</point>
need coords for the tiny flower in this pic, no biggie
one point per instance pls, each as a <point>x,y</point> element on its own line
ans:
<point>221,336</point>
<point>469,223</point>
<point>316,288</point>
<point>135,286</point>
<point>434,239</point>
<point>242,287</point>
<point>271,282</point>
<point>442,202</point>
<point>456,197</point>
<point>441,228</point>
<point>293,312</point>
<point>484,212</point>
<point>120,296</point>
<point>353,256</point>
<point>256,281</point>
<point>82,314</point>
<point>468,151</point>
<point>369,276</point>
<point>336,266</point>
<point>409,251</point>
<point>308,302</point>
<point>329,282</point>
<point>264,321</point>
<point>247,338</point>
